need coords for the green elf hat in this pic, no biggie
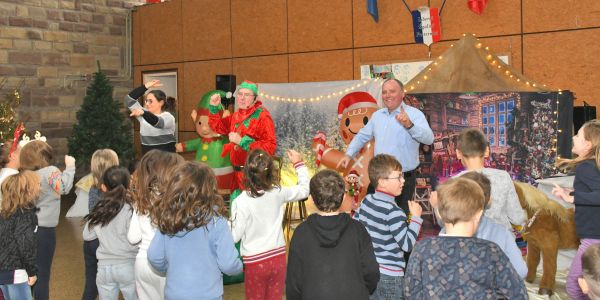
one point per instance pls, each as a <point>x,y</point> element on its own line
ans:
<point>203,105</point>
<point>246,84</point>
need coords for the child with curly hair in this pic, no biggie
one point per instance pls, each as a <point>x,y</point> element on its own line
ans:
<point>194,245</point>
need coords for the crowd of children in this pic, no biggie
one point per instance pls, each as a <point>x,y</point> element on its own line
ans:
<point>164,232</point>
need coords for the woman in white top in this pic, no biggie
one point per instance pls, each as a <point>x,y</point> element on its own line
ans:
<point>149,180</point>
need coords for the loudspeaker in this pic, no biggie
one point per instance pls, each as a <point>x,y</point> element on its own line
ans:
<point>582,114</point>
<point>226,83</point>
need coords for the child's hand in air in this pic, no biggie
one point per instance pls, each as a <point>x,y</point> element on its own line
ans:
<point>294,156</point>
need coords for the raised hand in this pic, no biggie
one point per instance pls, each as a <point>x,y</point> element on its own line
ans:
<point>69,160</point>
<point>215,100</point>
<point>294,156</point>
<point>153,83</point>
<point>136,112</point>
<point>403,118</point>
<point>415,208</point>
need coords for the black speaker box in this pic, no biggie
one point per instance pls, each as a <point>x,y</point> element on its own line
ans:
<point>582,114</point>
<point>226,83</point>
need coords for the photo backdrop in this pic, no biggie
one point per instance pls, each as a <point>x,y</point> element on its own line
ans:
<point>526,131</point>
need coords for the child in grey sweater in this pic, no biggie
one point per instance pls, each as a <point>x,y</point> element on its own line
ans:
<point>109,223</point>
<point>37,156</point>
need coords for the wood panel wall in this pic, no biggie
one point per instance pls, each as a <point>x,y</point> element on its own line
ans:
<point>554,42</point>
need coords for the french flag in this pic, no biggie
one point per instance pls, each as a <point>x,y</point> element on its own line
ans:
<point>426,25</point>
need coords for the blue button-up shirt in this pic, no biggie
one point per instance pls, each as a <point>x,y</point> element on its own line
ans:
<point>392,138</point>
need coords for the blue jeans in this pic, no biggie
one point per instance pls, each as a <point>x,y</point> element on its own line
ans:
<point>112,278</point>
<point>20,291</point>
<point>389,288</point>
<point>90,291</point>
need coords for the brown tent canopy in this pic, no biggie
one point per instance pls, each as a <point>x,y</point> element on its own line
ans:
<point>469,66</point>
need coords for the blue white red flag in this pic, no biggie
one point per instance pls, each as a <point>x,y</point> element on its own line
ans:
<point>426,25</point>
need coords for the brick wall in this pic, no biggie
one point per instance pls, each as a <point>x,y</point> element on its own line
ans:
<point>52,47</point>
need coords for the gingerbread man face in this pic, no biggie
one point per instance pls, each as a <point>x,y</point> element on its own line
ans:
<point>354,112</point>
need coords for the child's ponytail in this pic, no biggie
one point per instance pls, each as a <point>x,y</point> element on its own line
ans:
<point>116,181</point>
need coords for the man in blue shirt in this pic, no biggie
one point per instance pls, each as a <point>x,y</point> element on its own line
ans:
<point>398,130</point>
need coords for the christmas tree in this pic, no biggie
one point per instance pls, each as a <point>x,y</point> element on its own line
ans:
<point>100,124</point>
<point>8,117</point>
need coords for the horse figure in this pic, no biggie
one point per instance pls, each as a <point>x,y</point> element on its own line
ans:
<point>550,227</point>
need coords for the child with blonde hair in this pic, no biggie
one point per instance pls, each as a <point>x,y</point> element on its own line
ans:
<point>108,222</point>
<point>256,217</point>
<point>37,156</point>
<point>194,246</point>
<point>18,224</point>
<point>151,178</point>
<point>102,159</point>
<point>585,196</point>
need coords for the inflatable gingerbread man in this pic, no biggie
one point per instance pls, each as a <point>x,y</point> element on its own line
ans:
<point>209,145</point>
<point>354,111</point>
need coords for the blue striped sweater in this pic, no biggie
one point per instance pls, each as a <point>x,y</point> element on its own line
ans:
<point>390,233</point>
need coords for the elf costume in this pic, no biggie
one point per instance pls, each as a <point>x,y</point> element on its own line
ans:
<point>253,124</point>
<point>209,145</point>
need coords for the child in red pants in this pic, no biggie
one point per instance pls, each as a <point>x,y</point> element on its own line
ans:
<point>256,216</point>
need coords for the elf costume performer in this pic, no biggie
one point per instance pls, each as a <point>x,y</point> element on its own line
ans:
<point>209,145</point>
<point>248,128</point>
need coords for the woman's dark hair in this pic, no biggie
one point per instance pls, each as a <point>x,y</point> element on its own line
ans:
<point>190,200</point>
<point>260,174</point>
<point>116,180</point>
<point>161,96</point>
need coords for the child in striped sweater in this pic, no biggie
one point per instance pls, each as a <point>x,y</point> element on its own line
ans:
<point>387,224</point>
<point>256,216</point>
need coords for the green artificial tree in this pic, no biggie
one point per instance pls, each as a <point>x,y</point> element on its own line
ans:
<point>101,123</point>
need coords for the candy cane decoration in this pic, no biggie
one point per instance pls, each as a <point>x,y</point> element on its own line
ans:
<point>320,140</point>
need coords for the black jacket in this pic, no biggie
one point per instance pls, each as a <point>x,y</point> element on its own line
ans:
<point>331,257</point>
<point>587,200</point>
<point>18,244</point>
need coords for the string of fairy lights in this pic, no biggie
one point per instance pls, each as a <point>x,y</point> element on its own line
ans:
<point>316,98</point>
